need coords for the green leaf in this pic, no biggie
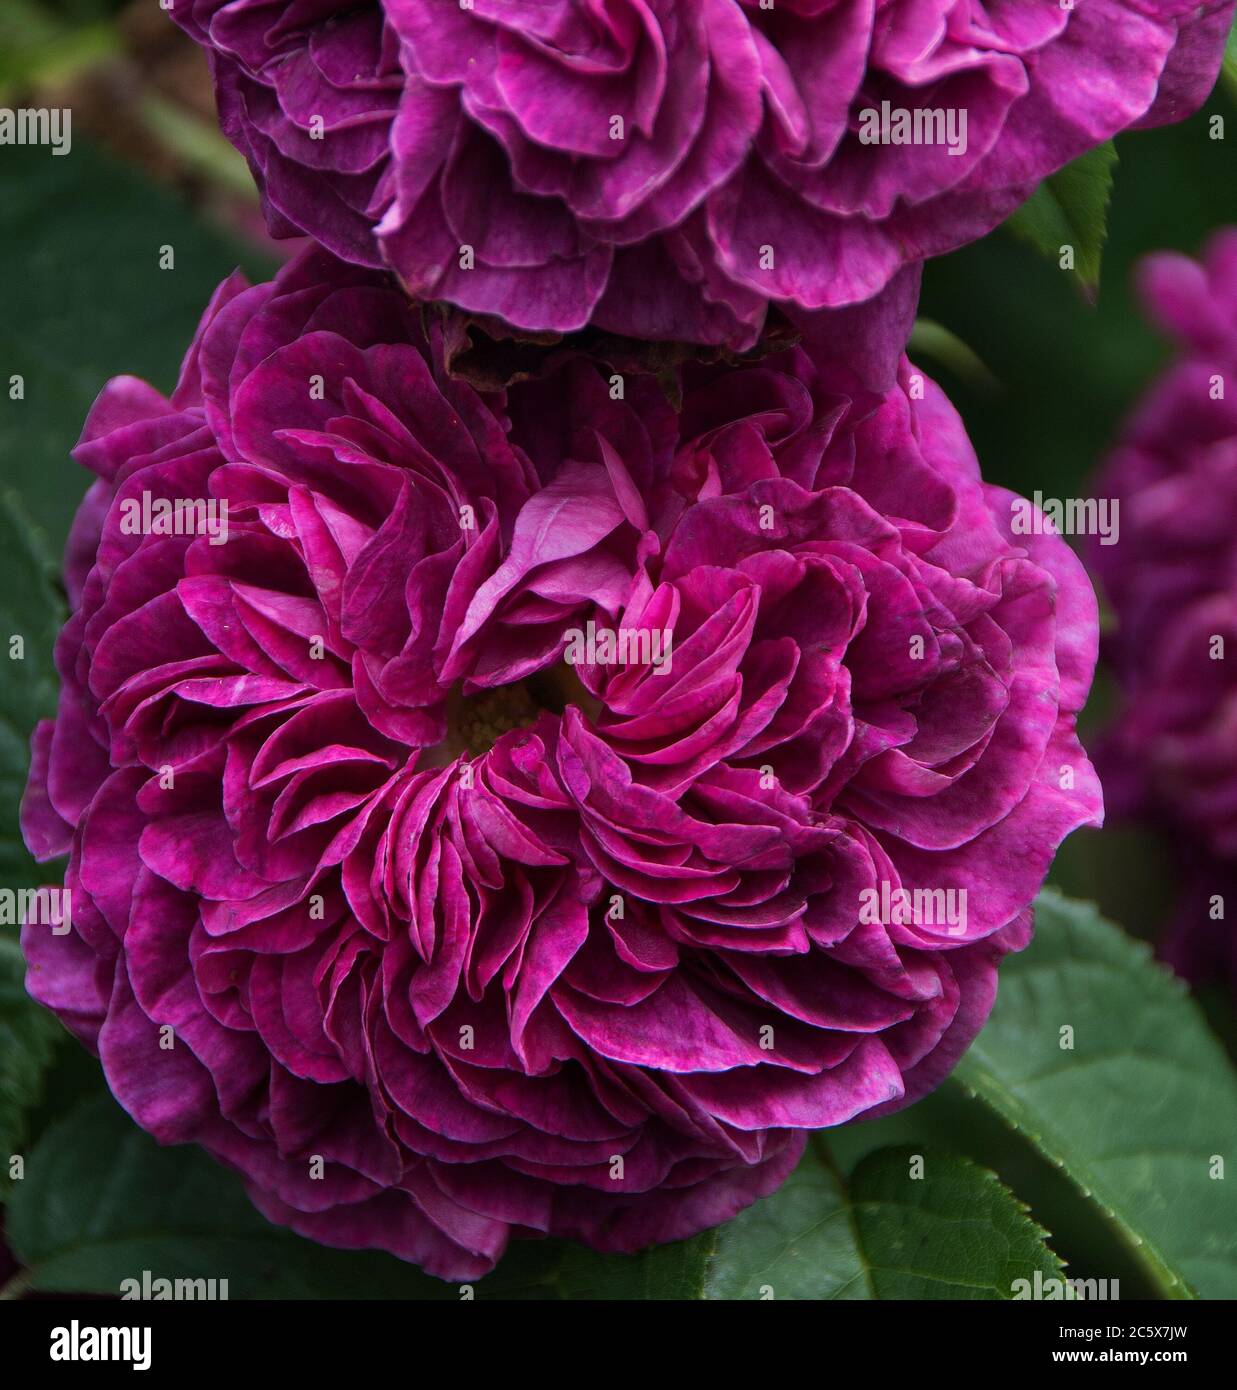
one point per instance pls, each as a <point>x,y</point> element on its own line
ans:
<point>1137,1113</point>
<point>1070,208</point>
<point>28,1038</point>
<point>800,1241</point>
<point>953,1233</point>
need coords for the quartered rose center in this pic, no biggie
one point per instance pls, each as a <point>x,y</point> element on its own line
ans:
<point>475,723</point>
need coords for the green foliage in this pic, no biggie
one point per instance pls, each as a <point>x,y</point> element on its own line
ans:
<point>1135,1103</point>
<point>1069,212</point>
<point>906,1224</point>
<point>28,1038</point>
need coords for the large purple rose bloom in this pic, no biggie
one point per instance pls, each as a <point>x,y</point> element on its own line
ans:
<point>458,939</point>
<point>1171,757</point>
<point>665,170</point>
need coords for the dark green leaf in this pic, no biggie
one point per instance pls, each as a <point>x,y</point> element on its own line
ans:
<point>28,1036</point>
<point>953,1232</point>
<point>1070,209</point>
<point>1140,1114</point>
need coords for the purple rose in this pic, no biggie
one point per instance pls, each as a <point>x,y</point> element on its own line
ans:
<point>1172,581</point>
<point>665,170</point>
<point>458,939</point>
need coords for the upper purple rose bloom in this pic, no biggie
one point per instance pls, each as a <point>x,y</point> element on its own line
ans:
<point>459,939</point>
<point>665,169</point>
<point>1172,582</point>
